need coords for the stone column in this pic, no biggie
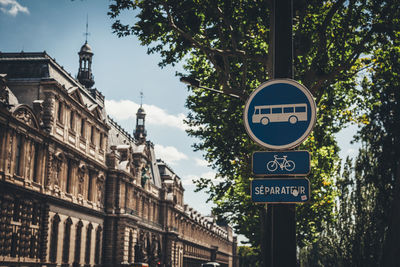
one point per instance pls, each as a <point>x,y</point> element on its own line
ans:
<point>48,111</point>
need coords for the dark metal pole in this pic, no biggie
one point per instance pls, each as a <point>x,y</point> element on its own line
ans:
<point>282,216</point>
<point>283,39</point>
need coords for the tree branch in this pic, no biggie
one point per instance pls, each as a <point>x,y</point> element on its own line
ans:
<point>324,26</point>
<point>228,25</point>
<point>212,53</point>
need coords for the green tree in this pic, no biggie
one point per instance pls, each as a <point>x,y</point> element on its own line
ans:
<point>248,256</point>
<point>379,161</point>
<point>351,239</point>
<point>366,223</point>
<point>225,45</point>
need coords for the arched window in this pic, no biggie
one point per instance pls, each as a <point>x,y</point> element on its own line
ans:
<point>130,246</point>
<point>15,236</point>
<point>33,243</point>
<point>66,242</point>
<point>78,239</point>
<point>54,238</point>
<point>88,243</point>
<point>98,246</point>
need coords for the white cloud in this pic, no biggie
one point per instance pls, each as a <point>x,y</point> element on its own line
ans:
<point>201,162</point>
<point>12,7</point>
<point>126,109</point>
<point>169,154</point>
<point>188,179</point>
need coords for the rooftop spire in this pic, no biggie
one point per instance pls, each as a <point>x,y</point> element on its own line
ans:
<point>140,131</point>
<point>87,27</point>
<point>141,98</point>
<point>85,75</point>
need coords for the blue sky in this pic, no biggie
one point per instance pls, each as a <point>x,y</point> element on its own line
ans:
<point>121,69</point>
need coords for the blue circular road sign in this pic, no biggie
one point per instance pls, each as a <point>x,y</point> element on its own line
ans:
<point>280,114</point>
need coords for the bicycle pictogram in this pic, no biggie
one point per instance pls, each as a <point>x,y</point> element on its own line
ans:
<point>283,164</point>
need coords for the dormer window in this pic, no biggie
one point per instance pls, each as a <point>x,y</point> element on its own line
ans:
<point>124,155</point>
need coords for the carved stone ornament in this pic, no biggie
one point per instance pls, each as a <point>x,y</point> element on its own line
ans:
<point>38,109</point>
<point>31,153</point>
<point>24,114</point>
<point>145,175</point>
<point>139,248</point>
<point>9,153</point>
<point>4,94</point>
<point>100,193</point>
<point>50,170</point>
<point>100,178</point>
<point>48,108</point>
<point>81,178</point>
<point>100,186</point>
<point>57,163</point>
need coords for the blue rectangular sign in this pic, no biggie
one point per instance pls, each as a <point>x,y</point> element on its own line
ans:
<point>285,190</point>
<point>286,163</point>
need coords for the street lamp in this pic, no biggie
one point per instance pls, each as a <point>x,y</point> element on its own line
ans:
<point>196,83</point>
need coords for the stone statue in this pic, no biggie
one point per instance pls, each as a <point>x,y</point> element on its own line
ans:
<point>145,177</point>
<point>139,255</point>
<point>4,97</point>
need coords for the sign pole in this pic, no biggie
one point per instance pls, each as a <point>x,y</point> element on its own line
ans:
<point>282,216</point>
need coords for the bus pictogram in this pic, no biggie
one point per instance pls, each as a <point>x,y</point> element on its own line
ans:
<point>291,113</point>
<point>280,114</point>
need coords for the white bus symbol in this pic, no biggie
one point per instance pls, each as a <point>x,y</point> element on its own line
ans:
<point>280,113</point>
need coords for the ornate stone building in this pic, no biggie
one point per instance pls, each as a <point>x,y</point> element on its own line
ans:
<point>78,190</point>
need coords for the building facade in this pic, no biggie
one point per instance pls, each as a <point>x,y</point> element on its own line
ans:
<point>77,190</point>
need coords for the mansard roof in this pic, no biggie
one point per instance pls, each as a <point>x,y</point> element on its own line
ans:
<point>39,66</point>
<point>121,139</point>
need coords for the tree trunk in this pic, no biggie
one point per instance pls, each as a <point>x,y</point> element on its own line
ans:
<point>391,248</point>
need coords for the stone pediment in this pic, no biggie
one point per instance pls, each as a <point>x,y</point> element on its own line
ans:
<point>95,110</point>
<point>75,94</point>
<point>25,114</point>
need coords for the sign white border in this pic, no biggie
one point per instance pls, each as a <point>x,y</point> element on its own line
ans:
<point>302,138</point>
